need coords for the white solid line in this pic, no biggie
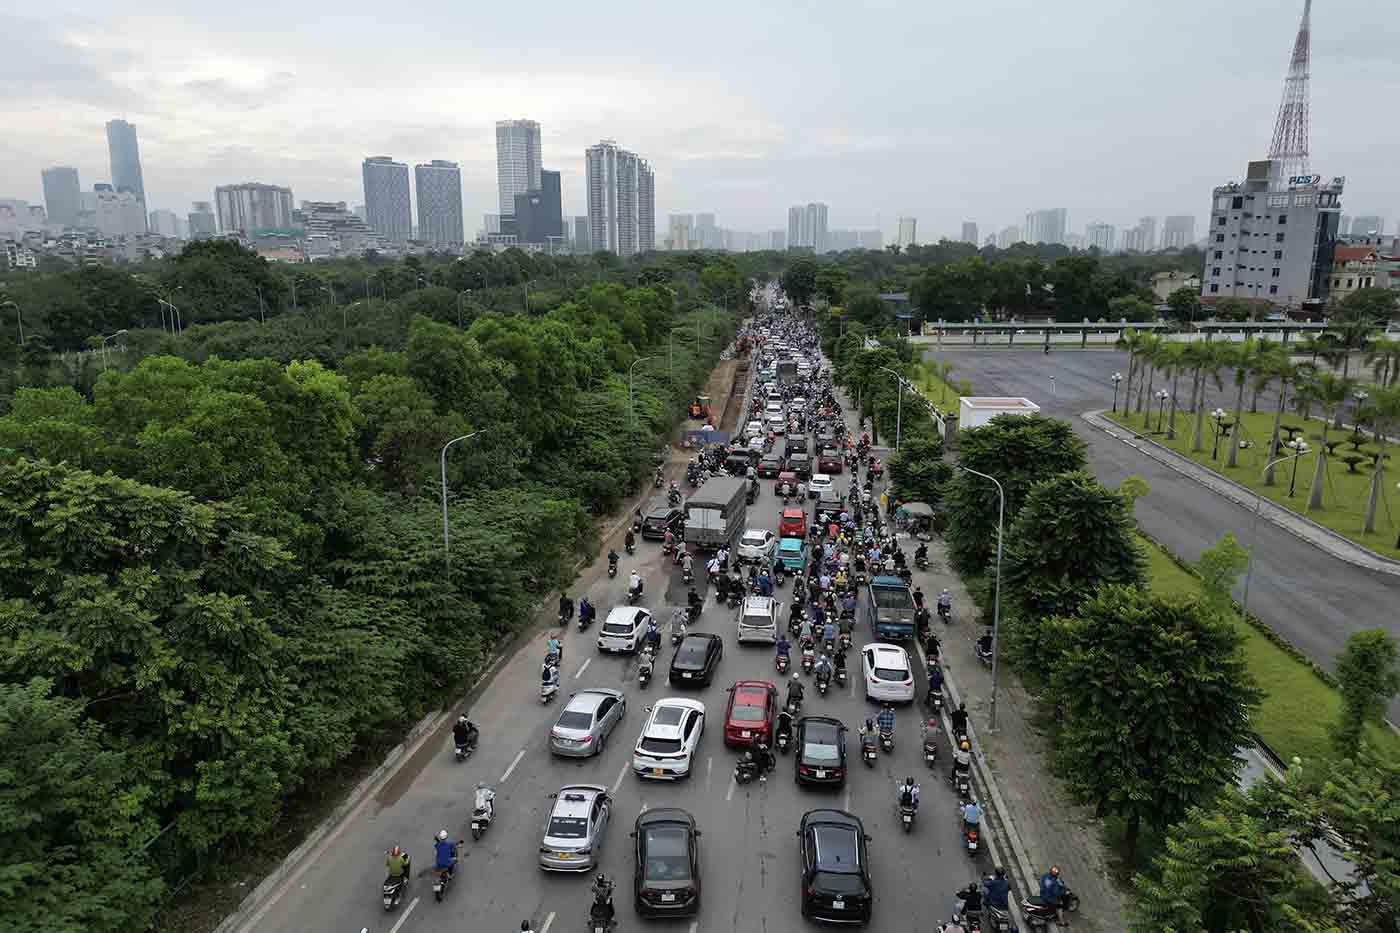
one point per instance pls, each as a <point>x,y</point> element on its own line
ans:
<point>547,921</point>
<point>847,806</point>
<point>730,794</point>
<point>709,769</point>
<point>519,755</point>
<point>582,668</point>
<point>620,775</point>
<point>404,916</point>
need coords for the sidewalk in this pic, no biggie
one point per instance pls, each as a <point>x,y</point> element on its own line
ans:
<point>1295,524</point>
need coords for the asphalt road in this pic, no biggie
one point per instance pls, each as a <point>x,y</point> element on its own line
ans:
<point>749,865</point>
<point>1310,598</point>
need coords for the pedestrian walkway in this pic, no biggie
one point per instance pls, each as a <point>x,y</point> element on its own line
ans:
<point>1298,525</point>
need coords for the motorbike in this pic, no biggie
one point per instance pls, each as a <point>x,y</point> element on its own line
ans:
<point>394,888</point>
<point>868,746</point>
<point>971,919</point>
<point>887,740</point>
<point>600,914</point>
<point>746,770</point>
<point>780,663</point>
<point>997,921</point>
<point>963,783</point>
<point>823,683</point>
<point>1039,914</point>
<point>612,569</point>
<point>644,667</point>
<point>735,597</point>
<point>945,614</point>
<point>970,840</point>
<point>794,707</point>
<point>845,642</point>
<point>930,745</point>
<point>463,752</point>
<point>921,563</point>
<point>984,650</point>
<point>907,812</point>
<point>673,497</point>
<point>634,594</point>
<point>443,879</point>
<point>782,738</point>
<point>840,677</point>
<point>484,811</point>
<point>585,620</point>
<point>630,548</point>
<point>656,481</point>
<point>688,576</point>
<point>935,700</point>
<point>677,634</point>
<point>809,660</point>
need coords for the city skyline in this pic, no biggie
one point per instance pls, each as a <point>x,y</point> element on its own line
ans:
<point>256,110</point>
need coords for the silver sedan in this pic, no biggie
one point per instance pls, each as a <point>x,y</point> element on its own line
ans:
<point>586,721</point>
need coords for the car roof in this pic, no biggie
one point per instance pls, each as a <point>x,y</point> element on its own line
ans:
<point>880,648</point>
<point>791,544</point>
<point>662,815</point>
<point>825,721</point>
<point>680,702</point>
<point>623,613</point>
<point>576,799</point>
<point>692,641</point>
<point>756,531</point>
<point>591,699</point>
<point>763,604</point>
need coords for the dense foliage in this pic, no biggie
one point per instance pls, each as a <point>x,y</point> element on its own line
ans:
<point>223,567</point>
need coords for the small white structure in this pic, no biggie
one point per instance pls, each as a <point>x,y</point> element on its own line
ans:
<point>975,411</point>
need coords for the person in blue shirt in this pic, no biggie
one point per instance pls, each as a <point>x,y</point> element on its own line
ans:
<point>1052,889</point>
<point>829,632</point>
<point>446,853</point>
<point>886,719</point>
<point>935,678</point>
<point>784,646</point>
<point>971,816</point>
<point>998,889</point>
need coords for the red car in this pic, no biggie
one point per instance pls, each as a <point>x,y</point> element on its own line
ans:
<point>830,461</point>
<point>751,714</point>
<point>793,524</point>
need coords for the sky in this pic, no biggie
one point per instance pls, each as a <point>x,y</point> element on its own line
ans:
<point>944,112</point>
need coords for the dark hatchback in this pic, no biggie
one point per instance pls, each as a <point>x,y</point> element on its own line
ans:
<point>770,466</point>
<point>835,867</point>
<point>661,519</point>
<point>696,659</point>
<point>829,461</point>
<point>667,877</point>
<point>801,464</point>
<point>821,751</point>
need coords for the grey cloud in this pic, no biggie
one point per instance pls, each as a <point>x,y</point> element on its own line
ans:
<point>224,92</point>
<point>45,65</point>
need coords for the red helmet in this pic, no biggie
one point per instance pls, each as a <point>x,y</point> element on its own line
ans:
<point>396,851</point>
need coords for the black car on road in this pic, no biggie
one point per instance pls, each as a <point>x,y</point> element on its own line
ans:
<point>770,466</point>
<point>821,751</point>
<point>696,659</point>
<point>667,875</point>
<point>801,464</point>
<point>835,867</point>
<point>661,519</point>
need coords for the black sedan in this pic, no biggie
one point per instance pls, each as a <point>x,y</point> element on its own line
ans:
<point>821,751</point>
<point>835,867</point>
<point>696,659</point>
<point>667,877</point>
<point>770,466</point>
<point>801,464</point>
<point>661,519</point>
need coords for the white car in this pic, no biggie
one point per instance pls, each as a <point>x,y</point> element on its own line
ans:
<point>819,483</point>
<point>888,676</point>
<point>623,628</point>
<point>777,424</point>
<point>774,408</point>
<point>757,544</point>
<point>799,403</point>
<point>754,428</point>
<point>758,620</point>
<point>666,747</point>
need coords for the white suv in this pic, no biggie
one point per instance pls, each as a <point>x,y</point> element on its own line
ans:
<point>888,676</point>
<point>758,620</point>
<point>623,628</point>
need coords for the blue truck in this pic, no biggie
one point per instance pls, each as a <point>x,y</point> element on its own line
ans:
<point>891,609</point>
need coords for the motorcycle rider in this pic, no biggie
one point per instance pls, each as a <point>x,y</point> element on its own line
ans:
<point>868,731</point>
<point>828,632</point>
<point>971,816</point>
<point>396,864</point>
<point>629,540</point>
<point>962,760</point>
<point>921,555</point>
<point>840,663</point>
<point>784,725</point>
<point>446,852</point>
<point>651,638</point>
<point>998,890</point>
<point>765,583</point>
<point>959,718</point>
<point>553,646</point>
<point>935,679</point>
<point>945,603</point>
<point>586,612</point>
<point>694,603</point>
<point>602,898</point>
<point>795,690</point>
<point>823,669</point>
<point>464,732</point>
<point>687,564</point>
<point>763,758</point>
<point>613,559</point>
<point>668,541</point>
<point>886,719</point>
<point>566,608</point>
<point>634,584</point>
<point>784,647</point>
<point>1052,891</point>
<point>549,675</point>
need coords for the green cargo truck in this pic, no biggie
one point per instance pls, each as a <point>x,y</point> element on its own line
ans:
<point>891,609</point>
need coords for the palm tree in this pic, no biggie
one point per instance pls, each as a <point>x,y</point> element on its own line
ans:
<point>1330,391</point>
<point>1132,341</point>
<point>1280,366</point>
<point>1383,356</point>
<point>1382,410</point>
<point>1206,361</point>
<point>1151,347</point>
<point>1243,359</point>
<point>1171,359</point>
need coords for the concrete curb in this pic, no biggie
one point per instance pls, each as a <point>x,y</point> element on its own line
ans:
<point>1300,526</point>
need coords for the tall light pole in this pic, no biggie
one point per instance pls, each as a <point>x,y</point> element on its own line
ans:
<point>631,414</point>
<point>1117,378</point>
<point>104,346</point>
<point>446,541</point>
<point>899,406</point>
<point>996,599</point>
<point>1254,527</point>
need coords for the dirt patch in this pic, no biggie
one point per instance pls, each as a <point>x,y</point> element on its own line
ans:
<point>734,405</point>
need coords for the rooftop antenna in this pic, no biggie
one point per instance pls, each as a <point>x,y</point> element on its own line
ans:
<point>1290,145</point>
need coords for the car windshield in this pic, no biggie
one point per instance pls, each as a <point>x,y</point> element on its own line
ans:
<point>847,883</point>
<point>657,746</point>
<point>617,628</point>
<point>746,712</point>
<point>658,518</point>
<point>891,673</point>
<point>759,620</point>
<point>668,716</point>
<point>567,827</point>
<point>667,854</point>
<point>754,539</point>
<point>819,751</point>
<point>691,653</point>
<point>573,719</point>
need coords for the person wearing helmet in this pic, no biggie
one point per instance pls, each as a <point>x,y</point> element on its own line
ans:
<point>909,793</point>
<point>886,719</point>
<point>464,732</point>
<point>396,864</point>
<point>602,908</point>
<point>795,690</point>
<point>1052,890</point>
<point>962,760</point>
<point>446,852</point>
<point>998,889</point>
<point>959,718</point>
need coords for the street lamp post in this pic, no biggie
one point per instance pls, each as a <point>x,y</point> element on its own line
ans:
<point>1117,378</point>
<point>899,407</point>
<point>104,346</point>
<point>1254,525</point>
<point>446,540</point>
<point>1222,427</point>
<point>996,598</point>
<point>1162,396</point>
<point>1301,447</point>
<point>631,413</point>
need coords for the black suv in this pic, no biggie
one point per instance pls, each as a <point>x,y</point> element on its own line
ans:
<point>835,867</point>
<point>801,464</point>
<point>770,466</point>
<point>661,519</point>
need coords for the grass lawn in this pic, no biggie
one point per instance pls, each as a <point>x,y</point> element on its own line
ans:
<point>1344,494</point>
<point>1298,708</point>
<point>944,395</point>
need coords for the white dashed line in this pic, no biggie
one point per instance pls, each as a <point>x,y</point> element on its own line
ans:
<point>404,916</point>
<point>709,770</point>
<point>620,775</point>
<point>548,922</point>
<point>583,667</point>
<point>847,803</point>
<point>504,777</point>
<point>730,795</point>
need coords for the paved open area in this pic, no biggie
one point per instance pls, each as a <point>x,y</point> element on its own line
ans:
<point>1314,600</point>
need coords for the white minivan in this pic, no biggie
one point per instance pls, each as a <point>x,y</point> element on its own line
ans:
<point>623,628</point>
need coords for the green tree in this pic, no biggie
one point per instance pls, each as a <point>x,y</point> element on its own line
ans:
<point>1231,309</point>
<point>1331,392</point>
<point>1071,536</point>
<point>1185,303</point>
<point>831,282</point>
<point>918,471</point>
<point>1131,308</point>
<point>1154,697</point>
<point>1376,305</point>
<point>1218,568</point>
<point>1383,356</point>
<point>1019,451</point>
<point>1244,358</point>
<point>799,281</point>
<point>1368,676</point>
<point>1381,411</point>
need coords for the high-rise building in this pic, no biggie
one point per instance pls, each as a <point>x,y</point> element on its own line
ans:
<point>807,228</point>
<point>1178,231</point>
<point>388,209</point>
<point>253,208</point>
<point>1367,225</point>
<point>63,196</point>
<point>777,239</point>
<point>581,242</point>
<point>1148,226</point>
<point>118,213</point>
<point>621,200</point>
<point>1102,236</point>
<point>816,223</point>
<point>1009,236</point>
<point>125,156</point>
<point>990,242</point>
<point>166,223</point>
<point>706,234</point>
<point>518,160</point>
<point>680,229</point>
<point>539,216</point>
<point>908,230</point>
<point>1047,226</point>
<point>330,230</point>
<point>1272,237</point>
<point>969,232</point>
<point>203,222</point>
<point>439,191</point>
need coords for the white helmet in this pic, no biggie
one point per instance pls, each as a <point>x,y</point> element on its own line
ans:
<point>442,835</point>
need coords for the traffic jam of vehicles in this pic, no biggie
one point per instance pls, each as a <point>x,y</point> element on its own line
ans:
<point>826,591</point>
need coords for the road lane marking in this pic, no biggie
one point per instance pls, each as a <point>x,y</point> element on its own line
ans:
<point>582,668</point>
<point>404,916</point>
<point>694,925</point>
<point>709,770</point>
<point>547,922</point>
<point>644,807</point>
<point>847,802</point>
<point>730,794</point>
<point>506,776</point>
<point>620,775</point>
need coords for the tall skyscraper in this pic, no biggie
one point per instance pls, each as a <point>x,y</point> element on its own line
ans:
<point>203,223</point>
<point>388,210</point>
<point>539,217</point>
<point>582,246</point>
<point>777,239</point>
<point>908,230</point>
<point>680,228</point>
<point>621,200</point>
<point>1047,226</point>
<point>518,160</point>
<point>125,158</point>
<point>63,196</point>
<point>1008,237</point>
<point>439,192</point>
<point>1178,231</point>
<point>252,208</point>
<point>807,227</point>
<point>1102,236</point>
<point>816,223</point>
<point>969,232</point>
